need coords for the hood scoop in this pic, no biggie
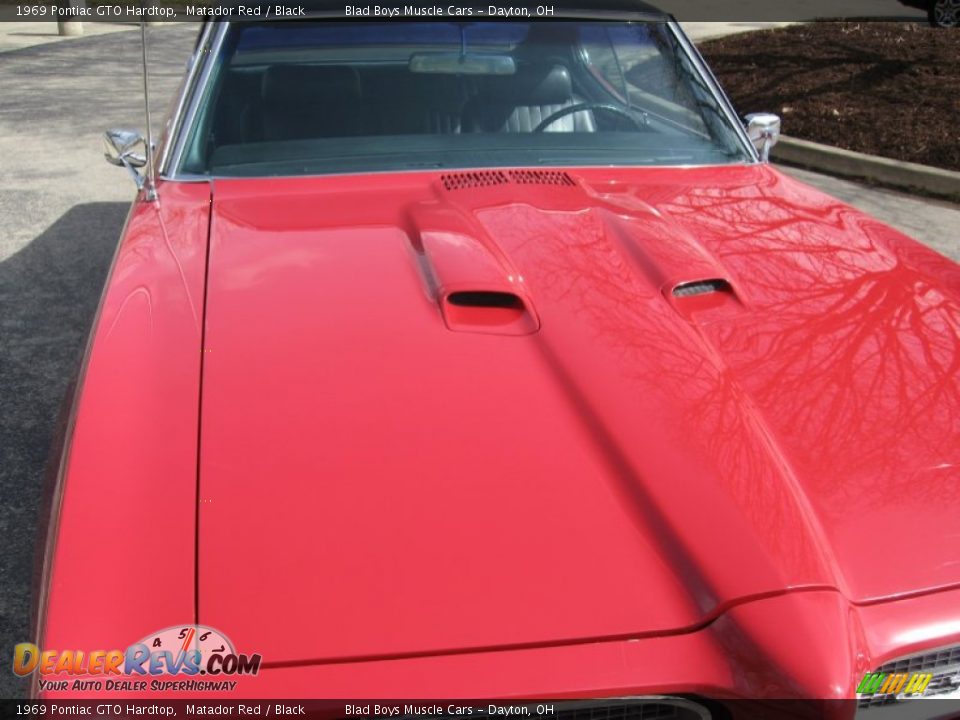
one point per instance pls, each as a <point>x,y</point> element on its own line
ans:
<point>485,299</point>
<point>701,287</point>
<point>704,299</point>
<point>487,311</point>
<point>688,276</point>
<point>477,288</point>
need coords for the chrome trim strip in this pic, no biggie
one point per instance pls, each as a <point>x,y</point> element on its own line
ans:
<point>174,121</point>
<point>466,168</point>
<point>190,102</point>
<point>707,73</point>
<point>190,178</point>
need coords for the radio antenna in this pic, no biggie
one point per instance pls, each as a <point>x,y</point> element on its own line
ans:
<point>150,186</point>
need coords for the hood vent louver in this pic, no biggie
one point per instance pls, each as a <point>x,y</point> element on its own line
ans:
<point>540,177</point>
<point>492,178</point>
<point>485,178</point>
<point>701,287</point>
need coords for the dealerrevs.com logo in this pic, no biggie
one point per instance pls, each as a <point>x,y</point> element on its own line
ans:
<point>187,657</point>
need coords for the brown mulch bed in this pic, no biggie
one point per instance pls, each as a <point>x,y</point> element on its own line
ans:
<point>884,88</point>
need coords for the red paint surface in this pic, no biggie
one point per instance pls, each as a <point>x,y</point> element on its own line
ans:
<point>374,484</point>
<point>124,556</point>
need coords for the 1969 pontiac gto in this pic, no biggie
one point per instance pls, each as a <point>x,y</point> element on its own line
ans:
<point>462,358</point>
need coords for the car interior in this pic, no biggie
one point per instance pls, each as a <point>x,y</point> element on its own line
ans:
<point>295,101</point>
<point>552,90</point>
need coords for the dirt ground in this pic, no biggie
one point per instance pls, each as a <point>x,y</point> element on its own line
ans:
<point>884,88</point>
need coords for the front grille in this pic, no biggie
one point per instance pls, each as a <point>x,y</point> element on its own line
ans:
<point>927,662</point>
<point>943,664</point>
<point>660,708</point>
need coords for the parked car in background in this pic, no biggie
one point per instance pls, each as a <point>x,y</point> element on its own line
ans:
<point>491,359</point>
<point>940,13</point>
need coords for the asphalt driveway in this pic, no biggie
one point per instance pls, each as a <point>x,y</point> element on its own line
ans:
<point>61,211</point>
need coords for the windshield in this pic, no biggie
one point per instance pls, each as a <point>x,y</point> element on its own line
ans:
<point>339,96</point>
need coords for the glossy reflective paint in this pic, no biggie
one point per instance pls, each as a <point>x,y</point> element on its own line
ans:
<point>376,485</point>
<point>123,560</point>
<point>805,644</point>
<point>747,493</point>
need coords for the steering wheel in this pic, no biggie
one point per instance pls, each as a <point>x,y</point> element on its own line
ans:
<point>640,124</point>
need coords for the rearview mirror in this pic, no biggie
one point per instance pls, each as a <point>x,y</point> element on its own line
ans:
<point>126,148</point>
<point>763,129</point>
<point>454,63</point>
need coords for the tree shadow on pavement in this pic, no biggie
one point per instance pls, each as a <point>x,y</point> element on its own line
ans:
<point>49,293</point>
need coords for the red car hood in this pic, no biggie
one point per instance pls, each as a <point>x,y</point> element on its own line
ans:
<point>456,412</point>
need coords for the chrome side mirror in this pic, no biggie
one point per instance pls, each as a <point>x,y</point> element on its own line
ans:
<point>128,149</point>
<point>763,129</point>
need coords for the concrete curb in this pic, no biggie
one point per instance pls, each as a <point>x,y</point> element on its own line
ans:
<point>846,163</point>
